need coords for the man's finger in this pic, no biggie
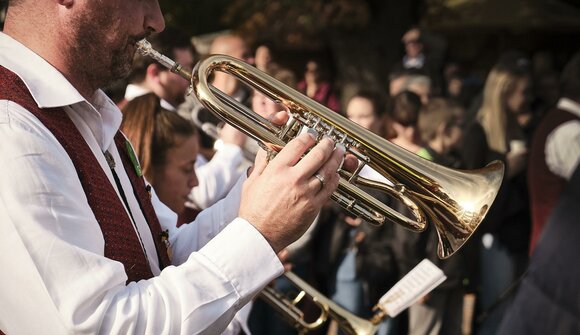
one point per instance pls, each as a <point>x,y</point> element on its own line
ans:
<point>260,162</point>
<point>295,149</point>
<point>331,176</point>
<point>279,118</point>
<point>319,156</point>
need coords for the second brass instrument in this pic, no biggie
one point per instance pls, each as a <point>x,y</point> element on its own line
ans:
<point>348,322</point>
<point>454,201</point>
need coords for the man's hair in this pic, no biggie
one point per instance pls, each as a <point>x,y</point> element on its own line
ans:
<point>438,111</point>
<point>377,100</point>
<point>165,42</point>
<point>404,108</point>
<point>570,79</point>
<point>153,131</point>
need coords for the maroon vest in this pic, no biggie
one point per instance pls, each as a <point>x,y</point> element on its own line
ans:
<point>544,186</point>
<point>122,243</point>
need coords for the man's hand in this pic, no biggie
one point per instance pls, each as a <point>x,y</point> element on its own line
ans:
<point>283,257</point>
<point>281,198</point>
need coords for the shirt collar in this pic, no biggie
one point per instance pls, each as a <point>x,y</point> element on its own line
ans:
<point>569,106</point>
<point>49,88</point>
<point>132,91</point>
<point>415,62</point>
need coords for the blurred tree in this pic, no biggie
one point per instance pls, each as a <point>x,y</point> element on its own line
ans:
<point>362,37</point>
<point>296,24</point>
<point>195,17</point>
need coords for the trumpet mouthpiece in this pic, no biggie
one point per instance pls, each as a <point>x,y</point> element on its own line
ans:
<point>144,47</point>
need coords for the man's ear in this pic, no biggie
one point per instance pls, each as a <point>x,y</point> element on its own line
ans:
<point>153,70</point>
<point>66,3</point>
<point>397,127</point>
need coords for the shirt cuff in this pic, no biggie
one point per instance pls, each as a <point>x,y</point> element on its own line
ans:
<point>244,256</point>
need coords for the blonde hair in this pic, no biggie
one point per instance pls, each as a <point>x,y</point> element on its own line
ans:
<point>493,115</point>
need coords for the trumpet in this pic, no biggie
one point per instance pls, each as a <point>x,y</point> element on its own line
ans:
<point>348,322</point>
<point>423,278</point>
<point>213,131</point>
<point>454,201</point>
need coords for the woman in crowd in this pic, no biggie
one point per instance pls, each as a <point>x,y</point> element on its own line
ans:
<point>315,86</point>
<point>403,110</point>
<point>166,146</point>
<point>441,311</point>
<point>354,262</point>
<point>496,134</point>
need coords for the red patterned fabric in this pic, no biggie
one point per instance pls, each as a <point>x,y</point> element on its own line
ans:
<point>544,186</point>
<point>143,195</point>
<point>121,241</point>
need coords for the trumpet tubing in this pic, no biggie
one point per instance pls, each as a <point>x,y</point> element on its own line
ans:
<point>350,324</point>
<point>454,201</point>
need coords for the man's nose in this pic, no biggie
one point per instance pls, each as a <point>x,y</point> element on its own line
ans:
<point>154,20</point>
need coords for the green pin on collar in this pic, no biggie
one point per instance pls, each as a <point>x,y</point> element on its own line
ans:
<point>134,159</point>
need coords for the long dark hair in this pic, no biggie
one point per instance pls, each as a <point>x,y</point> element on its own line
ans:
<point>153,130</point>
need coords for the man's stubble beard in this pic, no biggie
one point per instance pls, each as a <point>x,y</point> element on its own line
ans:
<point>94,58</point>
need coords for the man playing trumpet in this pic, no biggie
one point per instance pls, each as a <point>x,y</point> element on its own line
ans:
<point>83,251</point>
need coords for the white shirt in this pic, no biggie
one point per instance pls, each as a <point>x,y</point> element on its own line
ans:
<point>55,278</point>
<point>562,148</point>
<point>133,91</point>
<point>218,175</point>
<point>414,63</point>
<point>372,174</point>
<point>215,179</point>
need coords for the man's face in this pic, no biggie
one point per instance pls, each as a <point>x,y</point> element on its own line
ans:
<point>413,47</point>
<point>104,34</point>
<point>240,50</point>
<point>361,111</point>
<point>174,86</point>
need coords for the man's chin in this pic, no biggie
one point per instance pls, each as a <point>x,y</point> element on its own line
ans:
<point>122,68</point>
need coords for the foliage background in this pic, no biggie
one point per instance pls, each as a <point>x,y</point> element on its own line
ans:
<point>359,40</point>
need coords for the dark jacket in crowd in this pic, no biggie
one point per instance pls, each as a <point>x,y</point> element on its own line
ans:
<point>375,263</point>
<point>547,301</point>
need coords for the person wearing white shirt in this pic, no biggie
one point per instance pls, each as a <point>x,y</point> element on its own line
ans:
<point>167,147</point>
<point>217,178</point>
<point>555,150</point>
<point>57,278</point>
<point>226,154</point>
<point>148,76</point>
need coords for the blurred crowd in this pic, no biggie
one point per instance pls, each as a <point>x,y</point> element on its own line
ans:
<point>524,113</point>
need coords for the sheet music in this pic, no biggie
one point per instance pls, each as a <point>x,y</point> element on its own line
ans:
<point>418,282</point>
